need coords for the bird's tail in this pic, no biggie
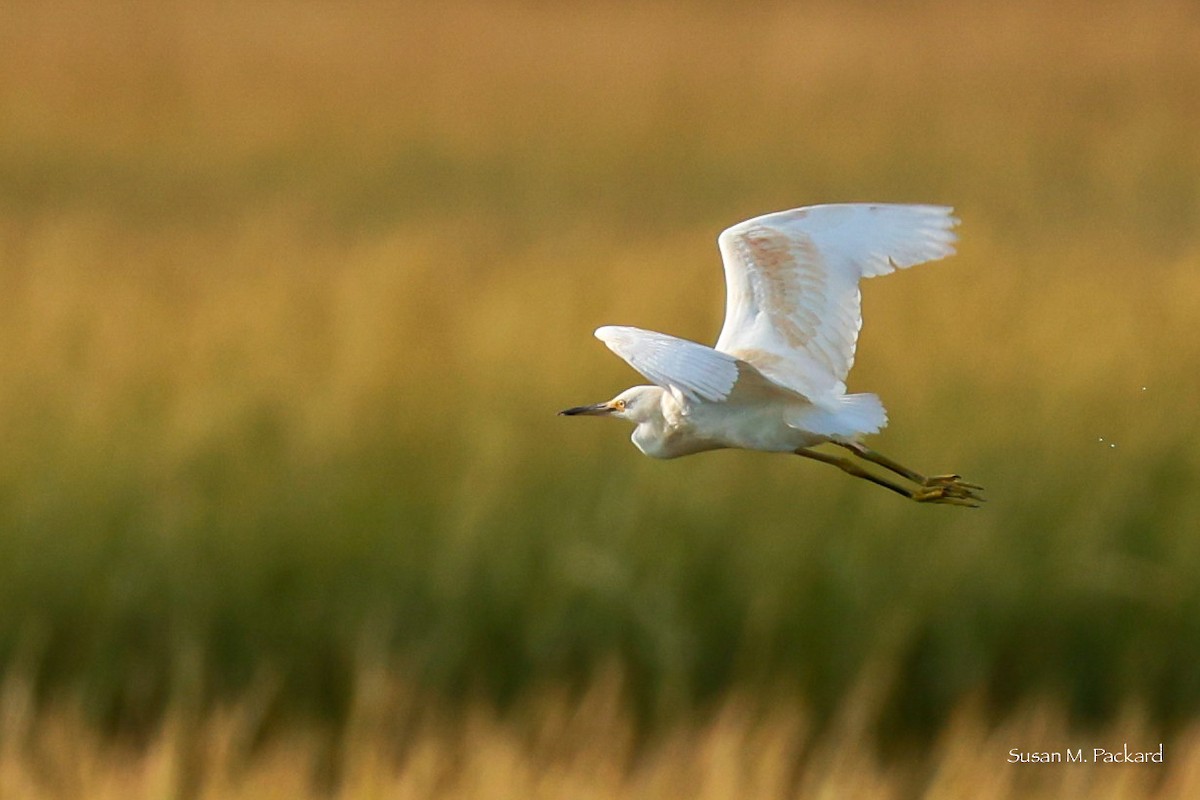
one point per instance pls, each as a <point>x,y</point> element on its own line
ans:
<point>863,413</point>
<point>855,414</point>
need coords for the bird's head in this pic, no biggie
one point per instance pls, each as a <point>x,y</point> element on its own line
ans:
<point>635,404</point>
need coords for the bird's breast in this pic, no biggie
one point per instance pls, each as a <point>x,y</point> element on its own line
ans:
<point>671,441</point>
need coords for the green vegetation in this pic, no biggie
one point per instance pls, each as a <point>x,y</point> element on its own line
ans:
<point>291,295</point>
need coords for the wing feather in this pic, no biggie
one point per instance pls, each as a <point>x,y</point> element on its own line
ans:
<point>687,369</point>
<point>793,307</point>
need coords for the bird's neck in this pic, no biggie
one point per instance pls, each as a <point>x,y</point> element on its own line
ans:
<point>655,426</point>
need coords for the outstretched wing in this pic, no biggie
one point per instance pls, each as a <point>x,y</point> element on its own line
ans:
<point>792,306</point>
<point>689,370</point>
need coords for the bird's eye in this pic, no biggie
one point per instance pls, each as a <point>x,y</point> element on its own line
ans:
<point>620,405</point>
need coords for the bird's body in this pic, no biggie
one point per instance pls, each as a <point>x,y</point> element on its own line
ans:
<point>775,381</point>
<point>671,429</point>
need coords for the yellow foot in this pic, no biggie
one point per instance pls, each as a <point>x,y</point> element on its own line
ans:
<point>949,489</point>
<point>937,480</point>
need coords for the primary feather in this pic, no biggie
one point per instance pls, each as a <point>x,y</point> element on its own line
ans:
<point>690,370</point>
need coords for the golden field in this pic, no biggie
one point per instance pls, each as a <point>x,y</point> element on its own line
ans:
<point>394,747</point>
<point>292,291</point>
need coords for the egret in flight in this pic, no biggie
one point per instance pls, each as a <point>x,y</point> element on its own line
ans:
<point>775,381</point>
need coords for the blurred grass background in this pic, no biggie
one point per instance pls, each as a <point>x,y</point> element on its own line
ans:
<point>292,290</point>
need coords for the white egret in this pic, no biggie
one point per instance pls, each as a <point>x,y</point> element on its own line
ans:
<point>775,380</point>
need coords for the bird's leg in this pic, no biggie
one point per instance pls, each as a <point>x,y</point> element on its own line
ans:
<point>955,483</point>
<point>937,493</point>
<point>862,451</point>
